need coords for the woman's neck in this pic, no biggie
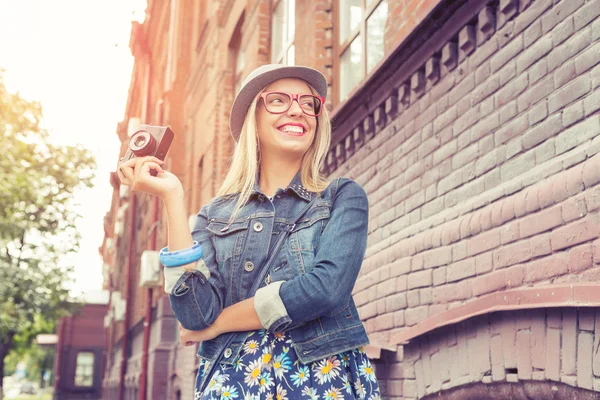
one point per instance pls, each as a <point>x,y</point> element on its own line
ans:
<point>276,172</point>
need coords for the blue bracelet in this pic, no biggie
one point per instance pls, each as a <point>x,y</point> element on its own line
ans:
<point>181,257</point>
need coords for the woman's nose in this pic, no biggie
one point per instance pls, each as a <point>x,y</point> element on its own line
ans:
<point>295,108</point>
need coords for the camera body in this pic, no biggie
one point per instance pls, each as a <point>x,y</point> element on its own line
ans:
<point>149,140</point>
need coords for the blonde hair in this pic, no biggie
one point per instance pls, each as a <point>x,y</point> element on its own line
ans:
<point>244,168</point>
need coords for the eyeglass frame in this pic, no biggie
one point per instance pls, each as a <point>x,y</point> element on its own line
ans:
<point>296,97</point>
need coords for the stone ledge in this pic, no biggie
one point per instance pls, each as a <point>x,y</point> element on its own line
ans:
<point>578,295</point>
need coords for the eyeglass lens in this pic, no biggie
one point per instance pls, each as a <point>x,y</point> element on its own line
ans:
<point>277,103</point>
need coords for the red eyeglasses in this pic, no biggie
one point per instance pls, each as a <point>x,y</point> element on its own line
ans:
<point>280,102</point>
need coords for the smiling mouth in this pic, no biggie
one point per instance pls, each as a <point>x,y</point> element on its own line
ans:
<point>292,130</point>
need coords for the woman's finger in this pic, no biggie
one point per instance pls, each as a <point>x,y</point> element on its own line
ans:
<point>186,342</point>
<point>122,178</point>
<point>139,166</point>
<point>132,163</point>
<point>155,159</point>
<point>142,160</point>
<point>144,168</point>
<point>127,172</point>
<point>134,160</point>
<point>129,163</point>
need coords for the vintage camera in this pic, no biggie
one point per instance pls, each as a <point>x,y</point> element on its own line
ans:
<point>149,141</point>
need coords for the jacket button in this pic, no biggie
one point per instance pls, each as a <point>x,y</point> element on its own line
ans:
<point>258,226</point>
<point>249,266</point>
<point>227,353</point>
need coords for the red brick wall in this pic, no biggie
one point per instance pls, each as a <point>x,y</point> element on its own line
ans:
<point>314,37</point>
<point>403,18</point>
<point>81,332</point>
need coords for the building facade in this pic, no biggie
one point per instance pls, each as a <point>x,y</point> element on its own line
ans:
<point>79,354</point>
<point>474,127</point>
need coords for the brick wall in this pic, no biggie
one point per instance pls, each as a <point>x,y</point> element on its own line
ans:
<point>529,347</point>
<point>482,174</point>
<point>403,18</point>
<point>80,333</point>
<point>163,106</point>
<point>314,38</point>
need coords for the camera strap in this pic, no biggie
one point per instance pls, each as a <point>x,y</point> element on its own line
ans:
<point>230,336</point>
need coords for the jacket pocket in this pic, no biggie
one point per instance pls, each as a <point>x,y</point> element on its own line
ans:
<point>304,239</point>
<point>228,239</point>
<point>209,349</point>
<point>320,211</point>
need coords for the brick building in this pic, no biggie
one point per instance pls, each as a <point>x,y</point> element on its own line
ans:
<point>474,127</point>
<point>79,354</point>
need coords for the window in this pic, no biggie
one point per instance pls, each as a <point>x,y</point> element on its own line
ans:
<point>239,69</point>
<point>84,369</point>
<point>236,56</point>
<point>283,31</point>
<point>360,40</point>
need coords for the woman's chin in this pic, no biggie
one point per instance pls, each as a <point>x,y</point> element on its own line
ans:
<point>281,142</point>
<point>296,147</point>
<point>286,140</point>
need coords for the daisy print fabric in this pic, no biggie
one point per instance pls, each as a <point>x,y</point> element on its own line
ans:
<point>269,369</point>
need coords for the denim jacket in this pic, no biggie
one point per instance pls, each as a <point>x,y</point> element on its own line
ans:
<point>307,291</point>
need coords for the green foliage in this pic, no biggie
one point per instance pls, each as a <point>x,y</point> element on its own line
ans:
<point>37,360</point>
<point>38,181</point>
<point>10,363</point>
<point>22,343</point>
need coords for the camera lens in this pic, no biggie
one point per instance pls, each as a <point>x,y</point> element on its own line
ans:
<point>142,143</point>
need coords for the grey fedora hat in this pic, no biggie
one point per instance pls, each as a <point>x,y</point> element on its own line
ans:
<point>263,76</point>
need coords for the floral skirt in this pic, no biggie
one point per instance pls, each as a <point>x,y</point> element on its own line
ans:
<point>268,368</point>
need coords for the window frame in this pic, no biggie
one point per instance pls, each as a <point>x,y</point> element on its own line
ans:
<point>236,52</point>
<point>283,56</point>
<point>341,48</point>
<point>93,369</point>
<point>239,67</point>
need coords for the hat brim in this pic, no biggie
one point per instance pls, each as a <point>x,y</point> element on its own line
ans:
<point>249,91</point>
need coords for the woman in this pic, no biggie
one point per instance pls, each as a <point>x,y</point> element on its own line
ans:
<point>270,300</point>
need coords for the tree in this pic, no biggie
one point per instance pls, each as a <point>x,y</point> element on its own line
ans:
<point>38,360</point>
<point>38,182</point>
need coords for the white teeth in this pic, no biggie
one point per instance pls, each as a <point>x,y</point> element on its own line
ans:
<point>291,128</point>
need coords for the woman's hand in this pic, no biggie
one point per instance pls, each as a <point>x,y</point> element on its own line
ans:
<point>188,338</point>
<point>136,173</point>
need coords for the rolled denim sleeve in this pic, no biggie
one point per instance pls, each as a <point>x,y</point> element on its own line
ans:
<point>197,297</point>
<point>270,308</point>
<point>341,251</point>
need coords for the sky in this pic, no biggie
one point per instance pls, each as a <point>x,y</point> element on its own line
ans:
<point>73,57</point>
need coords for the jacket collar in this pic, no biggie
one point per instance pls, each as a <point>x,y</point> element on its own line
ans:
<point>295,186</point>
